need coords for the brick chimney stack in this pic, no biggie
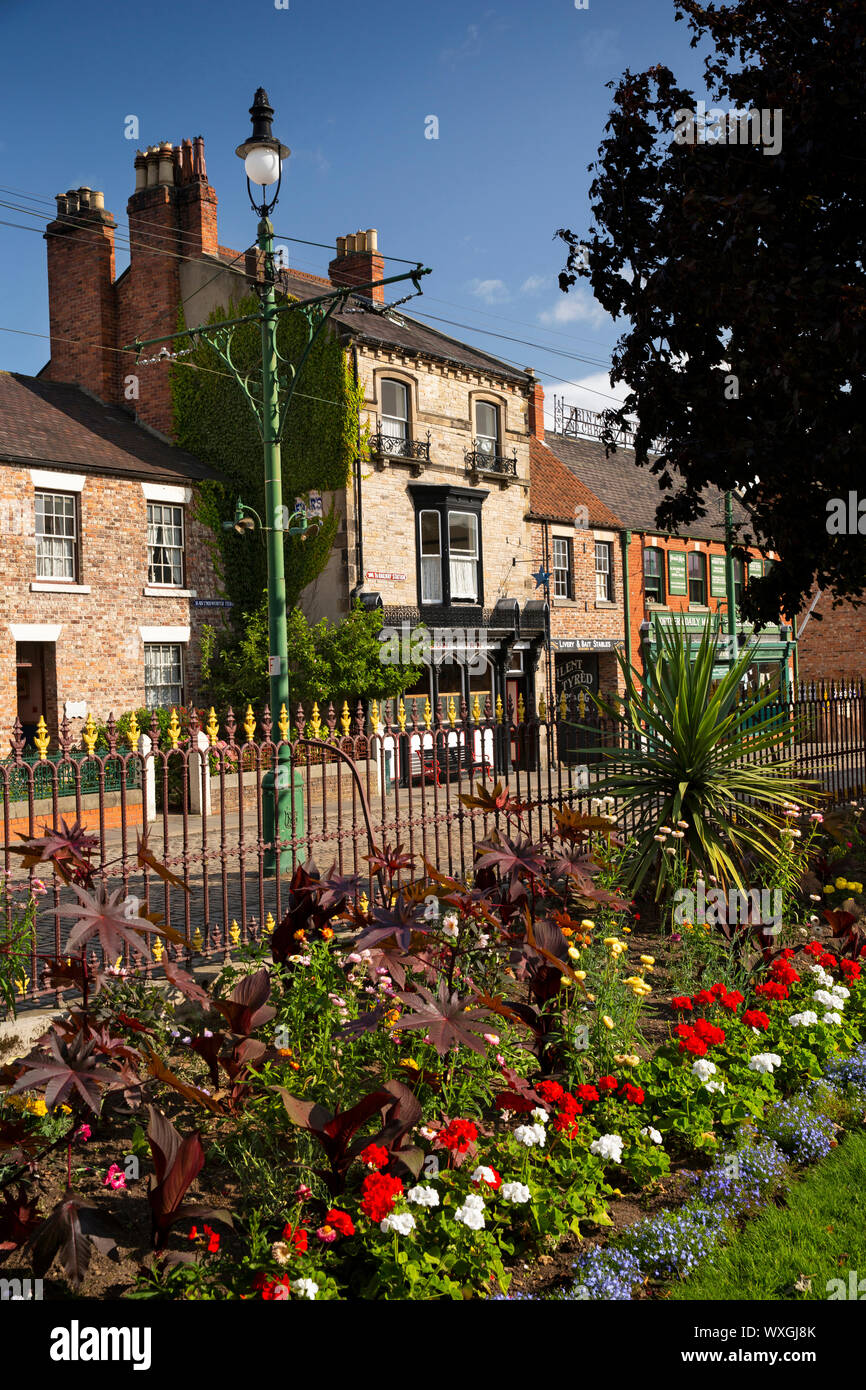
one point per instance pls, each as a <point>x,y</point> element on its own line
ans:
<point>172,216</point>
<point>81,303</point>
<point>358,262</point>
<point>536,406</point>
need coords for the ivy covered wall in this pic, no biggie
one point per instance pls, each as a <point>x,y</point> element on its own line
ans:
<point>214,421</point>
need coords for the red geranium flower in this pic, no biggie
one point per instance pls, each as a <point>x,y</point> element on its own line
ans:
<point>565,1124</point>
<point>732,1000</point>
<point>380,1193</point>
<point>829,962</point>
<point>586,1092</point>
<point>458,1136</point>
<point>607,1083</point>
<point>375,1156</point>
<point>772,989</point>
<point>296,1236</point>
<point>551,1091</point>
<point>341,1222</point>
<point>681,1001</point>
<point>694,1045</point>
<point>753,1018</point>
<point>634,1094</point>
<point>570,1105</point>
<point>709,1032</point>
<point>718,991</point>
<point>850,968</point>
<point>704,997</point>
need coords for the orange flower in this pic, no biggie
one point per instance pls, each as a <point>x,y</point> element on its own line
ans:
<point>327,933</point>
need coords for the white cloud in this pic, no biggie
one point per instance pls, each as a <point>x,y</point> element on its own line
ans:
<point>491,291</point>
<point>533,283</point>
<point>575,307</point>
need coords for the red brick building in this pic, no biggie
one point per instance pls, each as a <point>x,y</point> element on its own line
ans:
<point>665,577</point>
<point>831,641</point>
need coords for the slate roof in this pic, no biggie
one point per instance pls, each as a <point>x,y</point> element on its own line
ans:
<point>51,423</point>
<point>370,325</point>
<point>633,493</point>
<point>555,492</point>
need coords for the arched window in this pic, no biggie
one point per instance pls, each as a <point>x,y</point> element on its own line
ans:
<point>395,410</point>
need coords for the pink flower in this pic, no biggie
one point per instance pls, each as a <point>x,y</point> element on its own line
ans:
<point>37,887</point>
<point>326,1234</point>
<point>83,1133</point>
<point>492,1038</point>
<point>114,1178</point>
<point>303,1193</point>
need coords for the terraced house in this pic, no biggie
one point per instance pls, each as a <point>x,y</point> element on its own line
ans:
<point>433,524</point>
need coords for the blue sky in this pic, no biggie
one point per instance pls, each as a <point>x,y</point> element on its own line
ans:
<point>518,90</point>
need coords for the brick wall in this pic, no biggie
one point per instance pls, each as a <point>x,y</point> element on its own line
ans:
<point>98,656</point>
<point>835,647</point>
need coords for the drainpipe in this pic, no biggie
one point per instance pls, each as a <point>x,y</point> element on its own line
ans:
<point>359,539</point>
<point>625,542</point>
<point>729,579</point>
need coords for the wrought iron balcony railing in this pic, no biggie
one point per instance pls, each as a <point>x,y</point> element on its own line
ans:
<point>400,446</point>
<point>482,461</point>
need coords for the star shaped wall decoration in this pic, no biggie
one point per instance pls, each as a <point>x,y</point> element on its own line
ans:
<point>541,577</point>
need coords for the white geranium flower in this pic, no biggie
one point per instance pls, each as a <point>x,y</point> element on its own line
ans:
<point>540,1116</point>
<point>718,1086</point>
<point>841,992</point>
<point>423,1196</point>
<point>471,1214</point>
<point>516,1192</point>
<point>652,1134</point>
<point>608,1146</point>
<point>830,1001</point>
<point>531,1136</point>
<point>305,1288</point>
<point>484,1174</point>
<point>450,927</point>
<point>402,1222</point>
<point>804,1019</point>
<point>832,1017</point>
<point>765,1062</point>
<point>703,1069</point>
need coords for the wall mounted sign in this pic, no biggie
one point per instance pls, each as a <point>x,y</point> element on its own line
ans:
<point>586,644</point>
<point>383,574</point>
<point>212,603</point>
<point>677,581</point>
<point>718,577</point>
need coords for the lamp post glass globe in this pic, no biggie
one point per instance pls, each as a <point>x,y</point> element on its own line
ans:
<point>262,165</point>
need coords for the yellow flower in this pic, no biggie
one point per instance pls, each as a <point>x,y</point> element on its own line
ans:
<point>580,974</point>
<point>590,997</point>
<point>607,1021</point>
<point>841,883</point>
<point>627,929</point>
<point>611,941</point>
<point>615,1192</point>
<point>830,888</point>
<point>587,924</point>
<point>647,960</point>
<point>574,953</point>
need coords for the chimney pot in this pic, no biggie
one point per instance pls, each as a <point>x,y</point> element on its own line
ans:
<point>152,166</point>
<point>140,170</point>
<point>84,199</point>
<point>372,239</point>
<point>350,244</point>
<point>97,201</point>
<point>341,246</point>
<point>72,199</point>
<point>166,163</point>
<point>62,205</point>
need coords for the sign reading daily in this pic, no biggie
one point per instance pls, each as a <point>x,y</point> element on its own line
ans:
<point>677,581</point>
<point>718,578</point>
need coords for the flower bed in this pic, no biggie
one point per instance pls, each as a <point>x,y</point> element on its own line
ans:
<point>417,1100</point>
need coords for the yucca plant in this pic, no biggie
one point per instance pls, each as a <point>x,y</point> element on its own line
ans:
<point>698,752</point>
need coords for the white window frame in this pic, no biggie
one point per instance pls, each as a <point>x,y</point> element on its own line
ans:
<point>604,573</point>
<point>72,498</point>
<point>395,426</point>
<point>149,648</point>
<point>170,550</point>
<point>483,441</point>
<point>703,567</point>
<point>563,573</point>
<point>464,558</point>
<point>430,564</point>
<point>662,591</point>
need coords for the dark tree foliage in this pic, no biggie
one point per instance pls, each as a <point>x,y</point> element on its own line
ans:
<point>742,275</point>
